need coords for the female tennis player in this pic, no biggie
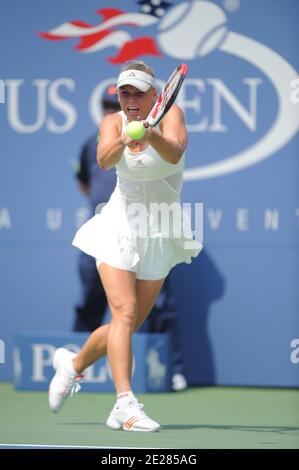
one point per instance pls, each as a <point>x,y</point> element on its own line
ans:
<point>133,252</point>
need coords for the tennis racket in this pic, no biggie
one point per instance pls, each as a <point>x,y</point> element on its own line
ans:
<point>167,97</point>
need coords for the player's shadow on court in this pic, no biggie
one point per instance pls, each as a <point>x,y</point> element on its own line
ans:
<point>233,427</point>
<point>214,427</point>
<point>196,287</point>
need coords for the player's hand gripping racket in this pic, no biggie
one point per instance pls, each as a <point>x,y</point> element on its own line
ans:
<point>167,97</point>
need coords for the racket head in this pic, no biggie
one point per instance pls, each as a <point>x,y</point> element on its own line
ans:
<point>167,97</point>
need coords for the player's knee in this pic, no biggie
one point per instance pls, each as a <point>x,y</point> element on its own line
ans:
<point>125,313</point>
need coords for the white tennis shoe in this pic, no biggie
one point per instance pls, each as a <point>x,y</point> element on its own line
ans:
<point>130,417</point>
<point>66,380</point>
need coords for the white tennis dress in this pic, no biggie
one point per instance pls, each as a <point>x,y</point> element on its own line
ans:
<point>132,231</point>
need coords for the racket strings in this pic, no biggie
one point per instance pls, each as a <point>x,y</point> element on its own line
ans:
<point>167,93</point>
<point>167,97</point>
<point>170,87</point>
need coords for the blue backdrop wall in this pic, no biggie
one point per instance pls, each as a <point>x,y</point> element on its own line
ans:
<point>239,300</point>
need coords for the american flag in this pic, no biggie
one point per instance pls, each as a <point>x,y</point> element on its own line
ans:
<point>108,33</point>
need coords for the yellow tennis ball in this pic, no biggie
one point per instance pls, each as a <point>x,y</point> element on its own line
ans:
<point>135,130</point>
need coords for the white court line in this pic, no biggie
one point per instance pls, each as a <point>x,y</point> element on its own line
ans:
<point>57,446</point>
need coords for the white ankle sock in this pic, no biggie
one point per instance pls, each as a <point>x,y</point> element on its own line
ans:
<point>123,396</point>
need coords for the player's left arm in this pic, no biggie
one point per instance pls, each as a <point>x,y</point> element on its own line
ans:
<point>172,142</point>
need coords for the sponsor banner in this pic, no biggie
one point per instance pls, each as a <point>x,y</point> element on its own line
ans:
<point>33,355</point>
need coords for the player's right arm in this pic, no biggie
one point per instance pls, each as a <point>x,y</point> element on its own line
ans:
<point>111,142</point>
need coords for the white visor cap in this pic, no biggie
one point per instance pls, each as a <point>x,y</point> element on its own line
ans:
<point>141,80</point>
